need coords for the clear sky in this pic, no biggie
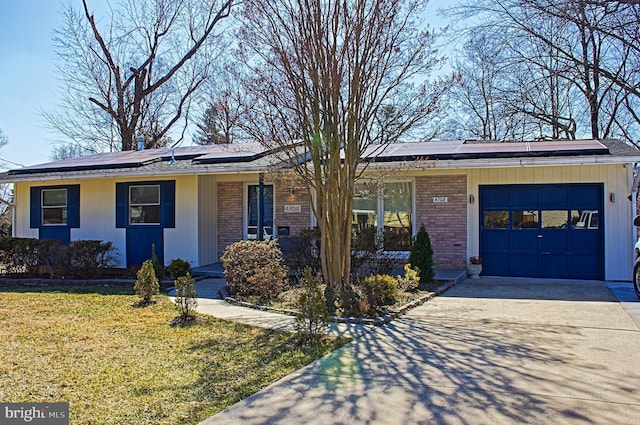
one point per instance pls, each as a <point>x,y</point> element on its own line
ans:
<point>28,83</point>
<point>27,78</point>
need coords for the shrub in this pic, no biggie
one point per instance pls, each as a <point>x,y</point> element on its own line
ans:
<point>410,281</point>
<point>302,250</point>
<point>312,317</point>
<point>147,283</point>
<point>380,289</point>
<point>178,267</point>
<point>368,255</point>
<point>19,256</point>
<point>421,255</point>
<point>186,296</point>
<point>88,257</point>
<point>158,269</point>
<point>255,268</point>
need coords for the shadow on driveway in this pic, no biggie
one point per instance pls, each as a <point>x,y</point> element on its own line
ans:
<point>485,352</point>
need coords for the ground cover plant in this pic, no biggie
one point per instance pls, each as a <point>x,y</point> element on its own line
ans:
<point>120,364</point>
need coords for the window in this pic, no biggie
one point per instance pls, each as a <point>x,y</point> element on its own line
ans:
<point>584,219</point>
<point>397,220</point>
<point>554,219</point>
<point>496,219</point>
<point>525,219</point>
<point>144,204</point>
<point>253,211</point>
<point>54,207</point>
<point>385,211</point>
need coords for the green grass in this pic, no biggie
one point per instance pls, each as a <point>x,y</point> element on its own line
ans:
<point>117,364</point>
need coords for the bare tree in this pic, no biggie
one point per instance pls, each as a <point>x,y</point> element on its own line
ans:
<point>226,103</point>
<point>585,47</point>
<point>6,197</point>
<point>340,79</point>
<point>134,74</point>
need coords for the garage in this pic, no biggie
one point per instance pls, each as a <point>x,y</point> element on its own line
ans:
<point>542,230</point>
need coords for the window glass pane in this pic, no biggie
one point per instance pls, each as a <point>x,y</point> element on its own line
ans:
<point>145,214</point>
<point>397,216</point>
<point>496,219</point>
<point>554,219</point>
<point>525,219</point>
<point>57,215</point>
<point>144,195</point>
<point>585,219</point>
<point>365,216</point>
<point>252,211</point>
<point>54,198</point>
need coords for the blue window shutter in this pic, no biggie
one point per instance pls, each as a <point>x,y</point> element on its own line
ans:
<point>73,205</point>
<point>168,203</point>
<point>122,202</point>
<point>34,208</point>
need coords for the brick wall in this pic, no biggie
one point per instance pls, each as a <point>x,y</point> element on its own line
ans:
<point>230,213</point>
<point>296,221</point>
<point>446,222</point>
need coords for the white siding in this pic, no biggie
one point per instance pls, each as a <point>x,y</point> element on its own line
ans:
<point>182,242</point>
<point>618,245</point>
<point>21,196</point>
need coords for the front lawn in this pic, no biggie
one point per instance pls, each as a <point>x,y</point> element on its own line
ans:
<point>118,364</point>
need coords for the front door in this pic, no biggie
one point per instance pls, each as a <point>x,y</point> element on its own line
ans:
<point>259,211</point>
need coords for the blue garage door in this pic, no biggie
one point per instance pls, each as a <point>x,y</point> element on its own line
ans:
<point>553,230</point>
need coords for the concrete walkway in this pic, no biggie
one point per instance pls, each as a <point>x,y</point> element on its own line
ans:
<point>210,303</point>
<point>488,351</point>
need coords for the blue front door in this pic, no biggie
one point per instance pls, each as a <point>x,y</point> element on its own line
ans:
<point>141,241</point>
<point>552,230</point>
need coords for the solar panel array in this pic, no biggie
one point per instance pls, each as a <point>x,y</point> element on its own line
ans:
<point>245,152</point>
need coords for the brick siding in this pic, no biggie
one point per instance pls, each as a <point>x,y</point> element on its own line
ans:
<point>446,222</point>
<point>296,221</point>
<point>230,213</point>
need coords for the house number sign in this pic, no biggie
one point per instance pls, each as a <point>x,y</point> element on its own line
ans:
<point>440,199</point>
<point>292,208</point>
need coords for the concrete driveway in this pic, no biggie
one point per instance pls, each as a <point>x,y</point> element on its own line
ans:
<point>488,351</point>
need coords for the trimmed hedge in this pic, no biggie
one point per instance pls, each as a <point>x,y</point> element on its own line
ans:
<point>28,257</point>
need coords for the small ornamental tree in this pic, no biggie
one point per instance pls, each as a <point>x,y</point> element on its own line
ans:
<point>186,297</point>
<point>421,255</point>
<point>147,283</point>
<point>312,317</point>
<point>158,269</point>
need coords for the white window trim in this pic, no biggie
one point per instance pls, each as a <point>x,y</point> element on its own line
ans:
<point>380,212</point>
<point>129,204</point>
<point>43,207</point>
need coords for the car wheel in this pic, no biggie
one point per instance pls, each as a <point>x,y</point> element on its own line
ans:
<point>636,277</point>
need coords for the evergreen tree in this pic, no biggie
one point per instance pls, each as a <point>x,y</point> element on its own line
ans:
<point>421,255</point>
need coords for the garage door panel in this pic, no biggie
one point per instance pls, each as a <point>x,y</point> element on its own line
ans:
<point>553,242</point>
<point>558,264</point>
<point>494,264</point>
<point>524,198</point>
<point>496,197</point>
<point>585,241</point>
<point>524,264</point>
<point>495,241</point>
<point>553,196</point>
<point>545,236</point>
<point>585,266</point>
<point>524,241</point>
<point>585,196</point>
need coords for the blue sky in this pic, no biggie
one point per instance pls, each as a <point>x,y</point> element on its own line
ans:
<point>27,78</point>
<point>28,83</point>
